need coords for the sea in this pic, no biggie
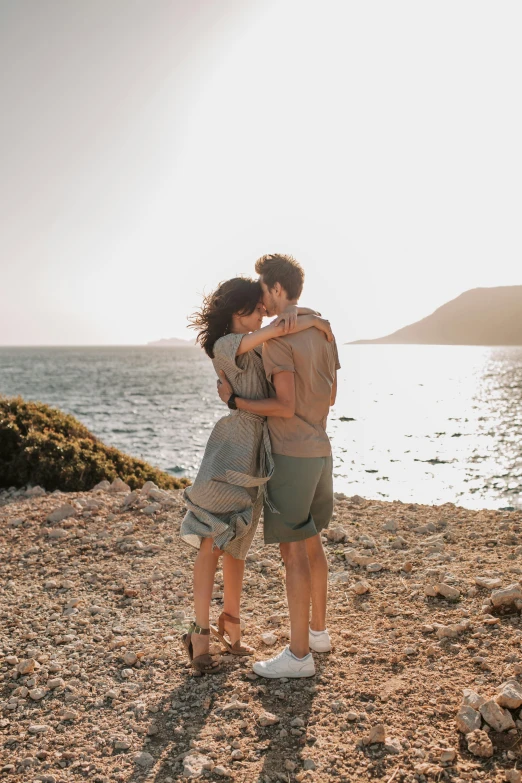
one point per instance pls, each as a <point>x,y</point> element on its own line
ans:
<point>420,424</point>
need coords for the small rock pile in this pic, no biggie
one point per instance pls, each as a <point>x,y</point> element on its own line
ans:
<point>477,716</point>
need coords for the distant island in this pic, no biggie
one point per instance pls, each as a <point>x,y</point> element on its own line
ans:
<point>481,316</point>
<point>173,341</point>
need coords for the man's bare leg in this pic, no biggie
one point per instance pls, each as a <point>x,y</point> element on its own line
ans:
<point>298,590</point>
<point>319,581</point>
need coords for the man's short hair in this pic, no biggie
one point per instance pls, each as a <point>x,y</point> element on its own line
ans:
<point>282,269</point>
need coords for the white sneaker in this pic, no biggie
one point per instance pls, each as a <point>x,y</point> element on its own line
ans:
<point>286,665</point>
<point>319,641</point>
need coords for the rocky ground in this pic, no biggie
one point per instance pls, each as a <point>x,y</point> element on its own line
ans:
<point>424,682</point>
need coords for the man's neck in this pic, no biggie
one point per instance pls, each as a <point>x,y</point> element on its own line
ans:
<point>282,305</point>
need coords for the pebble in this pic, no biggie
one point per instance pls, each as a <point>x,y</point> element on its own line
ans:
<point>61,513</point>
<point>144,760</point>
<point>130,658</point>
<point>268,719</point>
<point>480,744</point>
<point>496,717</point>
<point>237,755</point>
<point>513,776</point>
<point>468,719</point>
<point>269,638</point>
<point>38,728</point>
<point>362,587</point>
<point>377,735</point>
<point>26,666</point>
<point>510,695</point>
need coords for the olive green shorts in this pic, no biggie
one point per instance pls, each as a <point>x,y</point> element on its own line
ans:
<point>301,489</point>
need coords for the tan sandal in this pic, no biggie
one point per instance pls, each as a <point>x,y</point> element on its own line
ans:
<point>237,648</point>
<point>203,664</point>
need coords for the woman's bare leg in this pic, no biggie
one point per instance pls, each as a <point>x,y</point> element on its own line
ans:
<point>204,573</point>
<point>233,571</point>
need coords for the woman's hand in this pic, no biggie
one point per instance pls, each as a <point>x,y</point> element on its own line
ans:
<point>324,326</point>
<point>223,387</point>
<point>287,320</point>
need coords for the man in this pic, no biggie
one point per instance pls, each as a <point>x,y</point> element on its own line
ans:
<point>302,370</point>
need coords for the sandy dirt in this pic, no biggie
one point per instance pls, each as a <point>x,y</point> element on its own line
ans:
<point>95,685</point>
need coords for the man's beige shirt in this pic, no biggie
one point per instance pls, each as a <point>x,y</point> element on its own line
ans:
<point>314,361</point>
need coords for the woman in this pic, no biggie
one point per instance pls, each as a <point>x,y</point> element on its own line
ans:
<point>224,503</point>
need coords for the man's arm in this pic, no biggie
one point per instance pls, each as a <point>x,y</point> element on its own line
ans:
<point>282,405</point>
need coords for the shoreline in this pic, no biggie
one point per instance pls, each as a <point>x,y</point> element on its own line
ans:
<point>95,596</point>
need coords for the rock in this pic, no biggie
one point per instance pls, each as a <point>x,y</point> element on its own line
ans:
<point>393,745</point>
<point>309,764</point>
<point>104,485</point>
<point>447,755</point>
<point>148,487</point>
<point>237,754</point>
<point>297,723</point>
<point>35,492</point>
<point>235,705</point>
<point>290,766</point>
<point>390,525</point>
<point>26,666</point>
<point>38,728</point>
<point>57,533</point>
<point>468,719</point>
<point>61,513</point>
<point>496,717</point>
<point>269,638</point>
<point>447,591</point>
<point>130,658</point>
<point>351,716</point>
<point>489,584</point>
<point>268,719</point>
<point>37,694</point>
<point>377,735</point>
<point>507,596</point>
<point>362,587</point>
<point>222,772</point>
<point>510,695</point>
<point>513,776</point>
<point>430,591</point>
<point>372,568</point>
<point>120,486</point>
<point>122,744</point>
<point>336,534</point>
<point>143,759</point>
<point>480,744</point>
<point>472,699</point>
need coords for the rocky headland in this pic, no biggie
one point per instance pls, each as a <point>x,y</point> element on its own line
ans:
<point>424,682</point>
<point>481,316</point>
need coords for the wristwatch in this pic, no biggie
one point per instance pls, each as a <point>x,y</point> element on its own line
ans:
<point>231,402</point>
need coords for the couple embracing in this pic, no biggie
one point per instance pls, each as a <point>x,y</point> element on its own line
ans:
<point>270,453</point>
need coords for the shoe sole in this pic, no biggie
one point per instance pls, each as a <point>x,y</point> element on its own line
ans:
<point>280,676</point>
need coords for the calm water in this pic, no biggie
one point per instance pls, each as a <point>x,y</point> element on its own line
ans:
<point>428,424</point>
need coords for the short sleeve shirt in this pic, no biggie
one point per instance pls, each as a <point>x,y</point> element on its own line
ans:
<point>314,361</point>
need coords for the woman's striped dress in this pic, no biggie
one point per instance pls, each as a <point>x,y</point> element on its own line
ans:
<point>226,498</point>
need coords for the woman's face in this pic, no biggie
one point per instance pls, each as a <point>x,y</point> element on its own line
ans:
<point>254,321</point>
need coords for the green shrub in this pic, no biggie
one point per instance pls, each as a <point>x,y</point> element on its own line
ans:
<point>41,445</point>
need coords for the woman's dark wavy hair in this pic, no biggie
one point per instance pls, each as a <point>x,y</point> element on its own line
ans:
<point>214,319</point>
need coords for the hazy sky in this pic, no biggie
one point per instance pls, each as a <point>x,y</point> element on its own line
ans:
<point>151,148</point>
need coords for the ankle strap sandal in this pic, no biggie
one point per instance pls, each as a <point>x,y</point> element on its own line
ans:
<point>202,664</point>
<point>237,648</point>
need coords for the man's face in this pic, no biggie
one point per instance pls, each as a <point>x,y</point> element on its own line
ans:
<point>269,300</point>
